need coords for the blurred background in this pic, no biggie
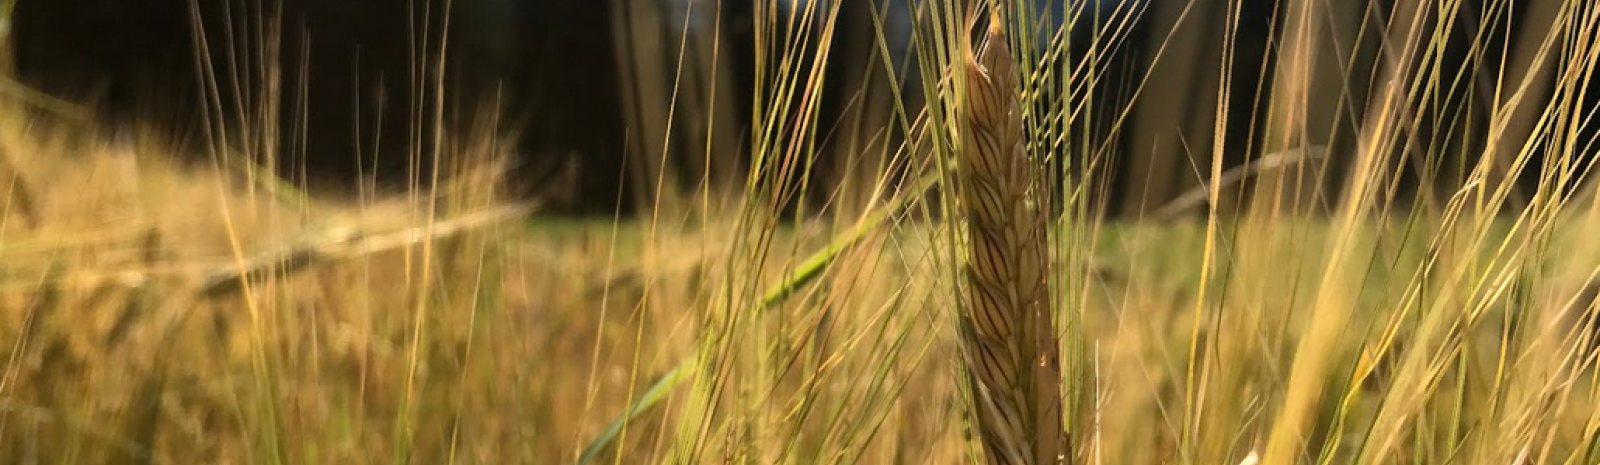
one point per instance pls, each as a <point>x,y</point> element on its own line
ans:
<point>614,104</point>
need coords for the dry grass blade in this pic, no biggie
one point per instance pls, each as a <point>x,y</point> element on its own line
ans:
<point>340,243</point>
<point>1194,199</point>
<point>1010,348</point>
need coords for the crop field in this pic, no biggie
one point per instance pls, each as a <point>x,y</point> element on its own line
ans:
<point>184,310</point>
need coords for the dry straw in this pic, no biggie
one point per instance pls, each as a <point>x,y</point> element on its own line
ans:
<point>1007,336</point>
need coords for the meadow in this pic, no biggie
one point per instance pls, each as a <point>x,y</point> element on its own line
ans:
<point>154,310</point>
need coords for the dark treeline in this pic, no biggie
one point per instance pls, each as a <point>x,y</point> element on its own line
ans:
<point>588,86</point>
<point>332,88</point>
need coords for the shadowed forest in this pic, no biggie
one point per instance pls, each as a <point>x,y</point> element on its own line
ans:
<point>799,231</point>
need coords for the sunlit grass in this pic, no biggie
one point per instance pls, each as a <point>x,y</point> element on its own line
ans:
<point>202,313</point>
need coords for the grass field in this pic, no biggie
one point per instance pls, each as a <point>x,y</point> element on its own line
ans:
<point>158,312</point>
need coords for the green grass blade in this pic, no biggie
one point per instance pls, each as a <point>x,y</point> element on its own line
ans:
<point>649,399</point>
<point>805,274</point>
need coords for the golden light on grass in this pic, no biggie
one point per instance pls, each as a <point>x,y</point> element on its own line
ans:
<point>157,312</point>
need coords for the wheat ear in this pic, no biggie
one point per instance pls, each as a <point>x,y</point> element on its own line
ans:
<point>1007,335</point>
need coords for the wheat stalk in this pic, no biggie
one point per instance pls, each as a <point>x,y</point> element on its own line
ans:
<point>1007,336</point>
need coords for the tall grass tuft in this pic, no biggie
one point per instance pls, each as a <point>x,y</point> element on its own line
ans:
<point>1010,348</point>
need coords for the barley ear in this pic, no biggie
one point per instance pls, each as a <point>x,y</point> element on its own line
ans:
<point>1006,324</point>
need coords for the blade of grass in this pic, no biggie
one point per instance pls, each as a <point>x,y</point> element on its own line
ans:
<point>807,272</point>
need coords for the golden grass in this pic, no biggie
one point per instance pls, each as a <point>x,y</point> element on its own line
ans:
<point>1440,333</point>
